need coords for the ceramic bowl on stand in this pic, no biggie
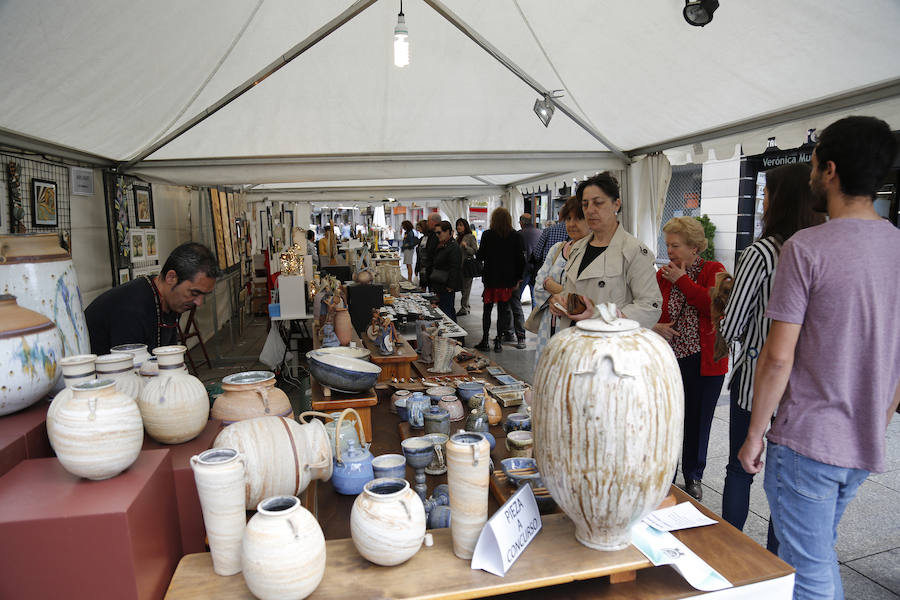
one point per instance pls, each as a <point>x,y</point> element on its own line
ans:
<point>340,373</point>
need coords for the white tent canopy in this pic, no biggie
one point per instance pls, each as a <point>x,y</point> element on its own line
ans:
<point>103,81</point>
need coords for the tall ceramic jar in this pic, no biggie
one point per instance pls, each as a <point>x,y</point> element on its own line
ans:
<point>250,394</point>
<point>387,522</point>
<point>468,474</point>
<point>120,368</point>
<point>75,369</point>
<point>36,269</point>
<point>30,350</point>
<point>174,405</point>
<point>608,410</point>
<point>343,327</point>
<point>219,474</point>
<point>97,432</point>
<point>283,555</point>
<point>137,351</point>
<point>281,456</point>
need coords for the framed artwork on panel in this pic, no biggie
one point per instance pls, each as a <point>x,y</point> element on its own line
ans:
<point>226,230</point>
<point>150,250</point>
<point>143,205</point>
<point>43,203</point>
<point>216,212</point>
<point>137,245</point>
<point>124,275</point>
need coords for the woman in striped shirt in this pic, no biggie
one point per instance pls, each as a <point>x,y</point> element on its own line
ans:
<point>787,208</point>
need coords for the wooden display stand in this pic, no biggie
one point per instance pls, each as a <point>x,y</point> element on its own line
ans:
<point>23,435</point>
<point>64,536</point>
<point>190,517</point>
<point>327,400</point>
<point>398,364</point>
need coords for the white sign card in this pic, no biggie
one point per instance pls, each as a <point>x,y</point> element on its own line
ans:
<point>81,181</point>
<point>507,533</point>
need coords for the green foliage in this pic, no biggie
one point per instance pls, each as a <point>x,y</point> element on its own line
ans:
<point>709,229</point>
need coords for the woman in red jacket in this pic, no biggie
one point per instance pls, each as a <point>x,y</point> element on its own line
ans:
<point>685,323</point>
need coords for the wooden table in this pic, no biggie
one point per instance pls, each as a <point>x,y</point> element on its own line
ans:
<point>338,401</point>
<point>398,364</point>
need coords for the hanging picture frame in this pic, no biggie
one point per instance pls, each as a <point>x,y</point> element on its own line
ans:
<point>124,275</point>
<point>137,245</point>
<point>150,249</point>
<point>44,203</point>
<point>143,205</point>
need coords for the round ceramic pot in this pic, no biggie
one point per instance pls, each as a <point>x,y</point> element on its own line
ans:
<point>395,396</point>
<point>76,369</point>
<point>281,456</point>
<point>520,444</point>
<point>438,391</point>
<point>283,552</point>
<point>35,269</point>
<point>30,350</point>
<point>517,422</point>
<point>608,415</point>
<point>97,432</point>
<point>174,405</point>
<point>468,474</point>
<point>476,401</point>
<point>138,351</point>
<point>387,522</point>
<point>417,405</point>
<point>467,389</point>
<point>453,406</point>
<point>389,465</point>
<point>250,394</point>
<point>343,327</point>
<point>437,420</point>
<point>120,368</point>
<point>219,474</point>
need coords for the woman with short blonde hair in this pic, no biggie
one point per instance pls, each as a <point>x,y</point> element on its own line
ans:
<point>690,229</point>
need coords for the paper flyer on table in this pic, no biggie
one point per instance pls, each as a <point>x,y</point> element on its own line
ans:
<point>663,548</point>
<point>680,516</point>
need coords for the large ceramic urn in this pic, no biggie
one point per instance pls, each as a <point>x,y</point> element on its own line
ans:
<point>174,405</point>
<point>30,350</point>
<point>283,554</point>
<point>97,431</point>
<point>281,456</point>
<point>250,394</point>
<point>36,269</point>
<point>608,413</point>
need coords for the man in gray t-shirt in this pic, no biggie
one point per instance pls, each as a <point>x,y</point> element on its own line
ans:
<point>830,362</point>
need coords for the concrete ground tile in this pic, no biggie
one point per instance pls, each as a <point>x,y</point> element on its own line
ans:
<point>883,568</point>
<point>870,524</point>
<point>860,587</point>
<point>889,479</point>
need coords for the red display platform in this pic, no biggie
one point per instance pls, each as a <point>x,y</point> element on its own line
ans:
<point>64,536</point>
<point>24,435</point>
<point>190,517</point>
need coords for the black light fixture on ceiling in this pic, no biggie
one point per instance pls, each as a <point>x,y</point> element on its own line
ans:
<point>699,12</point>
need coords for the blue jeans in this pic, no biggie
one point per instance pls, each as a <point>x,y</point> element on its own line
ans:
<point>446,302</point>
<point>807,499</point>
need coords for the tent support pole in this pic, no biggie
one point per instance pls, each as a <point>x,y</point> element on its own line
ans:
<point>521,74</point>
<point>310,41</point>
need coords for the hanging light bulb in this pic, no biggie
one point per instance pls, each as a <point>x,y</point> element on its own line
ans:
<point>401,40</point>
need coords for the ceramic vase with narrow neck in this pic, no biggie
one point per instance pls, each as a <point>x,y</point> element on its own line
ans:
<point>343,326</point>
<point>97,432</point>
<point>120,368</point>
<point>250,394</point>
<point>283,552</point>
<point>607,413</point>
<point>174,405</point>
<point>387,522</point>
<point>138,352</point>
<point>219,474</point>
<point>76,369</point>
<point>30,351</point>
<point>468,472</point>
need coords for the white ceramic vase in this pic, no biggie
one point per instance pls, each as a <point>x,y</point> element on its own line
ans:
<point>30,351</point>
<point>281,456</point>
<point>35,269</point>
<point>137,351</point>
<point>219,474</point>
<point>75,369</point>
<point>97,432</point>
<point>174,405</point>
<point>387,522</point>
<point>283,556</point>
<point>607,422</point>
<point>120,368</point>
<point>468,475</point>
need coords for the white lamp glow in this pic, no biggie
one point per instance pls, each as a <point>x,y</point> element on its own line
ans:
<point>401,42</point>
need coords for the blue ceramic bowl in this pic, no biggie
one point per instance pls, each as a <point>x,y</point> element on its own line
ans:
<point>341,373</point>
<point>517,422</point>
<point>389,465</point>
<point>467,389</point>
<point>509,465</point>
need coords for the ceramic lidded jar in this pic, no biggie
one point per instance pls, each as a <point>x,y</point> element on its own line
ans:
<point>174,405</point>
<point>387,522</point>
<point>468,473</point>
<point>437,420</point>
<point>283,552</point>
<point>120,368</point>
<point>250,394</point>
<point>97,432</point>
<point>607,422</point>
<point>30,350</point>
<point>219,474</point>
<point>138,351</point>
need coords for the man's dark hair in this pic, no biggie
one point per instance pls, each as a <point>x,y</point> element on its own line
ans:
<point>790,202</point>
<point>445,226</point>
<point>311,235</point>
<point>606,182</point>
<point>862,149</point>
<point>189,259</point>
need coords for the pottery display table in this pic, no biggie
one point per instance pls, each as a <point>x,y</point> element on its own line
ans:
<point>335,401</point>
<point>23,435</point>
<point>398,364</point>
<point>64,536</point>
<point>190,517</point>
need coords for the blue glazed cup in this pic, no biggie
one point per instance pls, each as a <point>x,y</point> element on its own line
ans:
<point>389,465</point>
<point>402,410</point>
<point>517,422</point>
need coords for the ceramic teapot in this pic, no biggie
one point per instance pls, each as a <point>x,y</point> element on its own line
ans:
<point>353,467</point>
<point>347,429</point>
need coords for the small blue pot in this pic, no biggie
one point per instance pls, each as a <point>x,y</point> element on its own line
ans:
<point>389,465</point>
<point>402,410</point>
<point>467,389</point>
<point>517,422</point>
